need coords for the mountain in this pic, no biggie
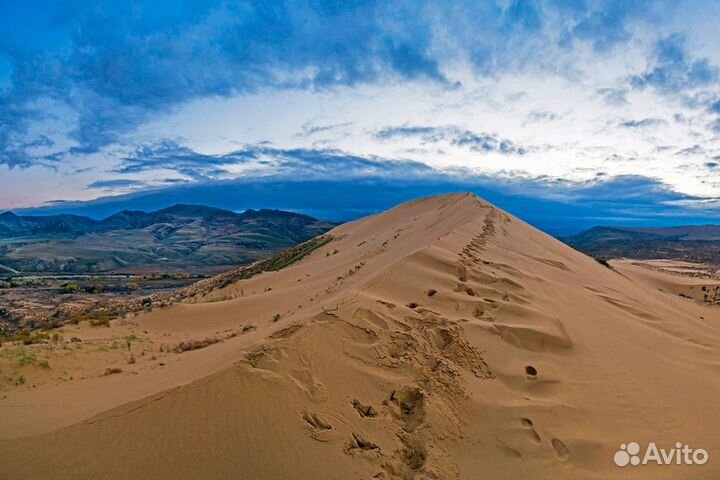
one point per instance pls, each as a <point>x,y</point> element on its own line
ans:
<point>180,237</point>
<point>126,219</point>
<point>700,243</point>
<point>442,339</point>
<point>12,225</point>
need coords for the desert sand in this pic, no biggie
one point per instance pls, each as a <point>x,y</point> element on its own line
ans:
<point>443,339</point>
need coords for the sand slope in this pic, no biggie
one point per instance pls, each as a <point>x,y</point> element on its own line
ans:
<point>442,339</point>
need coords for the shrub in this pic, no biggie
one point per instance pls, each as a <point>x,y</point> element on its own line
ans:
<point>223,298</point>
<point>195,344</point>
<point>100,320</point>
<point>602,261</point>
<point>97,319</point>
<point>30,338</point>
<point>70,288</point>
<point>26,358</point>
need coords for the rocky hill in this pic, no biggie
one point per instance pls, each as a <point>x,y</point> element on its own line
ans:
<point>181,237</point>
<point>696,243</point>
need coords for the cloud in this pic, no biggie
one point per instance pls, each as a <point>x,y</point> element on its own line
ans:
<point>265,160</point>
<point>484,142</point>
<point>108,67</point>
<point>268,164</point>
<point>119,183</point>
<point>674,70</point>
<point>168,155</point>
<point>309,129</point>
<point>79,83</point>
<point>714,107</point>
<point>694,150</point>
<point>677,73</point>
<point>613,96</point>
<point>428,134</point>
<point>475,141</point>
<point>644,123</point>
<point>606,24</point>
<point>542,116</point>
<point>113,75</point>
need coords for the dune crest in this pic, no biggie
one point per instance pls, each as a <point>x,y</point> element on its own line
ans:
<point>443,339</point>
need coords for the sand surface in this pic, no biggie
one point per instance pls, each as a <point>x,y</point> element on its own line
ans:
<point>443,339</point>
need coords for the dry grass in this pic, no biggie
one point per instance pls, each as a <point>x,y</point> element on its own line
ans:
<point>195,344</point>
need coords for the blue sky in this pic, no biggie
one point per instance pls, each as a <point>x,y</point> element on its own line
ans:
<point>567,113</point>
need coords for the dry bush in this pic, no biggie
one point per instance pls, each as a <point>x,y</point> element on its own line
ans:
<point>195,344</point>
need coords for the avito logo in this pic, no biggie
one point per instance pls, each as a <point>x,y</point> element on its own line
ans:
<point>629,454</point>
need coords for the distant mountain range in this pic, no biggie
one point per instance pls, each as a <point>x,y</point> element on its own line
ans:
<point>700,243</point>
<point>177,238</point>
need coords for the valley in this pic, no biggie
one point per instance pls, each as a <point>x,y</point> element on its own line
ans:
<point>54,268</point>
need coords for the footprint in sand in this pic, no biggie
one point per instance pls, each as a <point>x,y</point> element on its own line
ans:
<point>527,424</point>
<point>360,442</point>
<point>510,452</point>
<point>461,272</point>
<point>414,456</point>
<point>562,452</point>
<point>480,313</point>
<point>316,421</point>
<point>408,405</point>
<point>319,427</point>
<point>364,410</point>
<point>461,287</point>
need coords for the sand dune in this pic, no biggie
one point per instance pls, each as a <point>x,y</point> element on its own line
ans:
<point>443,339</point>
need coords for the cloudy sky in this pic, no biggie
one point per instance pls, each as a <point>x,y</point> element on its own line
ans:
<point>609,107</point>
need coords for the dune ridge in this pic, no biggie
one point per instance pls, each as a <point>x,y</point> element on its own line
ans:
<point>443,339</point>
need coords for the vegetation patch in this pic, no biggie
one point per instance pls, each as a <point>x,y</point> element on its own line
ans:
<point>273,264</point>
<point>603,261</point>
<point>166,276</point>
<point>16,380</point>
<point>29,338</point>
<point>96,319</point>
<point>26,358</point>
<point>195,344</point>
<point>223,298</point>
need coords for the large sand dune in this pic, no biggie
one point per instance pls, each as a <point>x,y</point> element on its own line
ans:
<point>442,339</point>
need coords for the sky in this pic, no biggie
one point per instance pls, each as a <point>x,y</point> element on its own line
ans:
<point>567,113</point>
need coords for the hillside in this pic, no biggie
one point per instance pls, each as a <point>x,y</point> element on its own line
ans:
<point>691,243</point>
<point>443,339</point>
<point>182,237</point>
